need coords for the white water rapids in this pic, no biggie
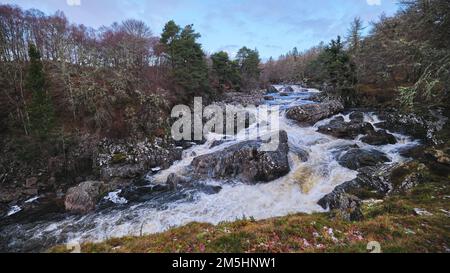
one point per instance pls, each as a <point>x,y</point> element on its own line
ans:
<point>299,191</point>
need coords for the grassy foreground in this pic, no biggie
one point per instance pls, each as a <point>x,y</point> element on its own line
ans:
<point>394,223</point>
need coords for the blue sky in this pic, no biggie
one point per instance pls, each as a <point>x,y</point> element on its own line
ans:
<point>272,26</point>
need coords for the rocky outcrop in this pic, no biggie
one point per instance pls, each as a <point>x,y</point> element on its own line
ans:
<point>424,124</point>
<point>370,182</point>
<point>346,130</point>
<point>355,159</point>
<point>123,162</point>
<point>84,197</point>
<point>373,183</point>
<point>312,113</point>
<point>245,160</point>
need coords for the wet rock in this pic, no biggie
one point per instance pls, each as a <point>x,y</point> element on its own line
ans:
<point>271,89</point>
<point>346,130</point>
<point>357,158</point>
<point>301,153</point>
<point>84,197</point>
<point>284,94</point>
<point>357,117</point>
<point>312,113</point>
<point>269,98</point>
<point>339,150</point>
<point>245,160</point>
<point>378,138</point>
<point>349,206</point>
<point>288,89</point>
<point>174,180</point>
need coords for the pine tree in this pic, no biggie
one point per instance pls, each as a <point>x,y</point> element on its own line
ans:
<point>249,61</point>
<point>189,70</point>
<point>41,112</point>
<point>354,35</point>
<point>225,71</point>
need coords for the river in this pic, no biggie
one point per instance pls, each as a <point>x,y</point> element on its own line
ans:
<point>296,192</point>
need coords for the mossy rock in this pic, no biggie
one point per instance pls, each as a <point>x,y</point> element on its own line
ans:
<point>118,158</point>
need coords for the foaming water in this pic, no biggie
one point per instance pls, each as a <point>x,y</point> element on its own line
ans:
<point>298,191</point>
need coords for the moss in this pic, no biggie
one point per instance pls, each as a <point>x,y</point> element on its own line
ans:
<point>118,158</point>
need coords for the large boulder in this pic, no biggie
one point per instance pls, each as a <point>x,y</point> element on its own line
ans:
<point>380,137</point>
<point>358,158</point>
<point>312,113</point>
<point>346,130</point>
<point>245,160</point>
<point>84,197</point>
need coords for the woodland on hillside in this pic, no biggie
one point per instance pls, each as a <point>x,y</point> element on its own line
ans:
<point>108,80</point>
<point>406,56</point>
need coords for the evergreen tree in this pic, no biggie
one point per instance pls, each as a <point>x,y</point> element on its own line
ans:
<point>41,112</point>
<point>354,35</point>
<point>249,61</point>
<point>340,71</point>
<point>225,71</point>
<point>189,71</point>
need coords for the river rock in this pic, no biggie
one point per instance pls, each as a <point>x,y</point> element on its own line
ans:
<point>301,153</point>
<point>312,113</point>
<point>174,180</point>
<point>357,116</point>
<point>271,89</point>
<point>371,182</point>
<point>246,161</point>
<point>288,89</point>
<point>358,158</point>
<point>348,205</point>
<point>378,138</point>
<point>346,130</point>
<point>84,197</point>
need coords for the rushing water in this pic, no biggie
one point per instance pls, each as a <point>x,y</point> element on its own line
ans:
<point>298,191</point>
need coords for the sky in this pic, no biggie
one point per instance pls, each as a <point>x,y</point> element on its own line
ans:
<point>272,26</point>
